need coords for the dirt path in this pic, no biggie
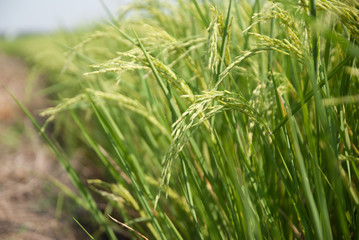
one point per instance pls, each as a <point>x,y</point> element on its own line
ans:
<point>26,209</point>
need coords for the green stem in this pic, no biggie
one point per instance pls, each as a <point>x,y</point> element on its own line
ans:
<point>224,42</point>
<point>204,20</point>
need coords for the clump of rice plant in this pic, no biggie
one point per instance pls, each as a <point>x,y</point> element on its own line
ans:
<point>220,119</point>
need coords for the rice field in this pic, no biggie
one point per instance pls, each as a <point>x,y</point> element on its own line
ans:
<point>211,119</point>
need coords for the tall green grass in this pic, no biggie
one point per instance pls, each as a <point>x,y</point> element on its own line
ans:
<point>218,119</point>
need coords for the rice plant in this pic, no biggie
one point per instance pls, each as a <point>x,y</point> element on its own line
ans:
<point>218,119</point>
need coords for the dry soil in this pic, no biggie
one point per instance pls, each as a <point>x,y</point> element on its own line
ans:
<point>27,198</point>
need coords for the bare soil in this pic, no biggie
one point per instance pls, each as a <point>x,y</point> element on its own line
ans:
<point>27,198</point>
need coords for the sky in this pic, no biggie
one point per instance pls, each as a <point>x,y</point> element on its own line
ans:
<point>42,16</point>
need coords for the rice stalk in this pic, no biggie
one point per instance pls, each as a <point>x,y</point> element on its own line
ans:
<point>204,107</point>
